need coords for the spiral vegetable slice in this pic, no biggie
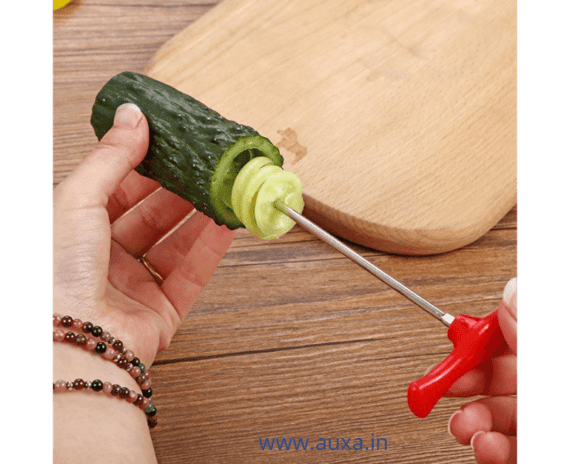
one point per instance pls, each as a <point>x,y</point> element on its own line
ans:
<point>256,188</point>
<point>284,186</point>
<point>243,178</point>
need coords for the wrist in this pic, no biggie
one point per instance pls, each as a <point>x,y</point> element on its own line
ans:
<point>105,347</point>
<point>71,362</point>
<point>86,420</point>
<point>106,354</point>
<point>115,322</point>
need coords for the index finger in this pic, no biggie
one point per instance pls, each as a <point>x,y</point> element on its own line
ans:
<point>496,377</point>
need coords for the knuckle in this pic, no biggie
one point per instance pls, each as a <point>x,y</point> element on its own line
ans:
<point>114,145</point>
<point>151,217</point>
<point>120,199</point>
<point>191,275</point>
<point>180,245</point>
<point>211,248</point>
<point>119,151</point>
<point>114,138</point>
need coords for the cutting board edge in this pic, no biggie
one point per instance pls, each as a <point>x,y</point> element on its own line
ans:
<point>410,242</point>
<point>373,235</point>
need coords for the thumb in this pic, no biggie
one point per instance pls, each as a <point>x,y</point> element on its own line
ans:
<point>508,314</point>
<point>121,149</point>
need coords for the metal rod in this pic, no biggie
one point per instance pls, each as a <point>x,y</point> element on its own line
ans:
<point>310,226</point>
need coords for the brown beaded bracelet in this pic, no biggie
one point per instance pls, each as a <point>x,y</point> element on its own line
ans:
<point>123,362</point>
<point>115,390</point>
<point>127,361</point>
<point>96,331</point>
<point>113,350</point>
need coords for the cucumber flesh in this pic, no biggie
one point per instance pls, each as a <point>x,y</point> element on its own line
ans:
<point>228,168</point>
<point>238,163</point>
<point>256,188</point>
<point>284,186</point>
<point>247,206</point>
<point>243,179</point>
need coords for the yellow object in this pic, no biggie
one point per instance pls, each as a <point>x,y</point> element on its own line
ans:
<point>57,4</point>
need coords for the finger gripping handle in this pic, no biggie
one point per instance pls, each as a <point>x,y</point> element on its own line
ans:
<point>474,340</point>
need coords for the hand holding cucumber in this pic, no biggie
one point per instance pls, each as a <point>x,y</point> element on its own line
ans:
<point>108,219</point>
<point>97,241</point>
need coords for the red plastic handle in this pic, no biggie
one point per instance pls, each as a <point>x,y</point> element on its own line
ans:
<point>474,340</point>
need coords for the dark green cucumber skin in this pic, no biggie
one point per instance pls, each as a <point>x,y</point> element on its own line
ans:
<point>187,139</point>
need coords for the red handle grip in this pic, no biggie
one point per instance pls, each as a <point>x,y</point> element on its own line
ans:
<point>474,340</point>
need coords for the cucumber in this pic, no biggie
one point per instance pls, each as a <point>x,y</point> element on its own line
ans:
<point>258,185</point>
<point>247,207</point>
<point>284,186</point>
<point>241,189</point>
<point>193,151</point>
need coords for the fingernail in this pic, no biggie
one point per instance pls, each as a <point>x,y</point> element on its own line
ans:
<point>449,422</point>
<point>128,115</point>
<point>478,434</point>
<point>510,295</point>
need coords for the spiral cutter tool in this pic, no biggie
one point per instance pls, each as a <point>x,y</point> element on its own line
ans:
<point>474,339</point>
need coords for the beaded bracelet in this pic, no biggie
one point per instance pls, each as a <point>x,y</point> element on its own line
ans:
<point>128,361</point>
<point>115,351</point>
<point>115,390</point>
<point>96,331</point>
<point>132,365</point>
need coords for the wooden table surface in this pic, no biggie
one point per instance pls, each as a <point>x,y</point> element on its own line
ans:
<point>289,339</point>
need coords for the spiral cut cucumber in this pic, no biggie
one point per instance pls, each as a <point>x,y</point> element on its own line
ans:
<point>258,185</point>
<point>199,155</point>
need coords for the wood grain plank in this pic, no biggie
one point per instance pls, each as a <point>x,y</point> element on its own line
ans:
<point>303,292</point>
<point>398,116</point>
<point>289,338</point>
<point>92,42</point>
<point>216,410</point>
<point>509,221</point>
<point>297,234</point>
<point>98,40</point>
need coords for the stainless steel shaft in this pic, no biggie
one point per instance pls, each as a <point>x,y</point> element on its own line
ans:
<point>310,226</point>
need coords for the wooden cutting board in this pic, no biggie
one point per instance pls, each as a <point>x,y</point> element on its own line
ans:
<point>399,116</point>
